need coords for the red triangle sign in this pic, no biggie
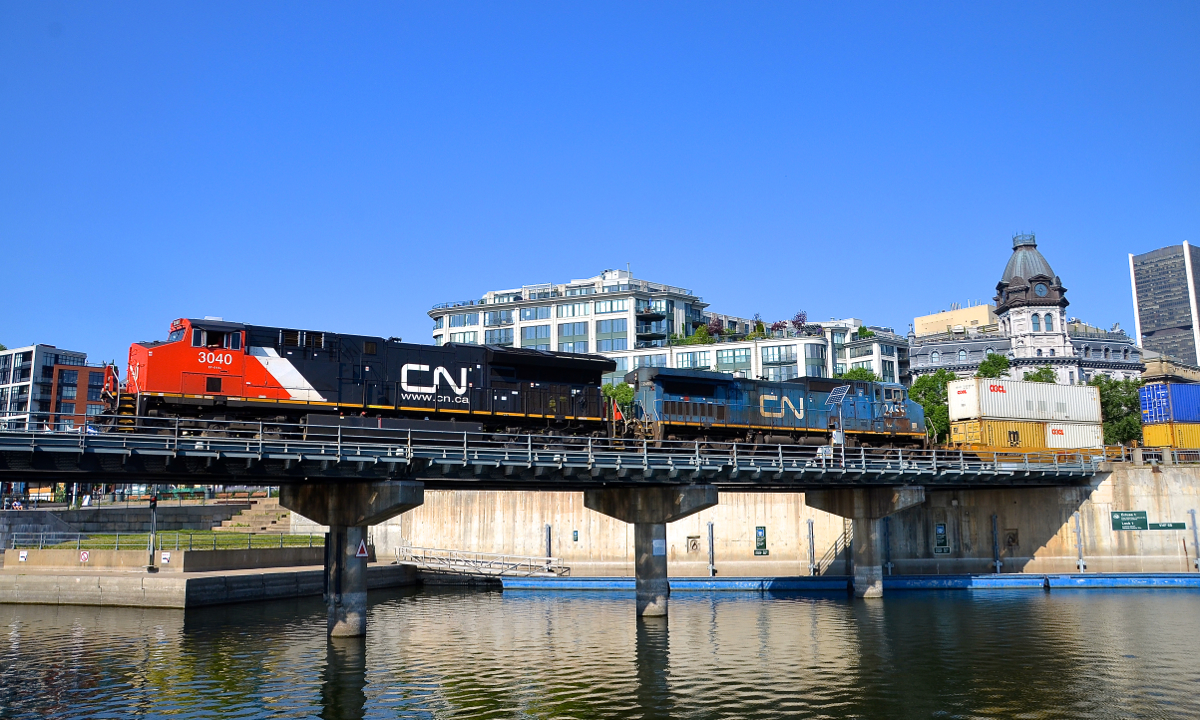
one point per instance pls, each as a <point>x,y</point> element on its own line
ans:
<point>362,549</point>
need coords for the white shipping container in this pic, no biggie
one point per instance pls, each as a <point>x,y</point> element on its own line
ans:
<point>993,399</point>
<point>1074,435</point>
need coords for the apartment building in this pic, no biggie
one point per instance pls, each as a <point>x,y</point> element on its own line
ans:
<point>31,386</point>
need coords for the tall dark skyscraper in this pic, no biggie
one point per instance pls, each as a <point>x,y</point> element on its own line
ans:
<point>1164,301</point>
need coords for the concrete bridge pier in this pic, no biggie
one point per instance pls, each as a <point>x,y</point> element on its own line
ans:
<point>348,508</point>
<point>650,509</point>
<point>866,507</point>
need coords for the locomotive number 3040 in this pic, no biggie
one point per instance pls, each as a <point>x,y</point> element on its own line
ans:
<point>216,358</point>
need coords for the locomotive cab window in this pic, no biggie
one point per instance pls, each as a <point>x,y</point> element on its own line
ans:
<point>176,335</point>
<point>215,339</point>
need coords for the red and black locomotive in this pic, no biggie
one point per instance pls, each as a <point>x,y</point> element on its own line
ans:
<point>224,371</point>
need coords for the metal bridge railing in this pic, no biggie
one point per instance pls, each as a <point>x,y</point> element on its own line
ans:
<point>259,440</point>
<point>169,540</point>
<point>480,564</point>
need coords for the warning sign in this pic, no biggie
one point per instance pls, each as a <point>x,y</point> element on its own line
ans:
<point>84,556</point>
<point>362,549</point>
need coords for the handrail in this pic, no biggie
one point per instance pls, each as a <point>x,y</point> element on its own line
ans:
<point>480,563</point>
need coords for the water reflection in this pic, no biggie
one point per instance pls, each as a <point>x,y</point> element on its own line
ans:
<point>456,654</point>
<point>653,653</point>
<point>345,677</point>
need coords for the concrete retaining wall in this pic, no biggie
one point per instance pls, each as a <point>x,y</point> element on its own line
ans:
<point>116,519</point>
<point>1036,529</point>
<point>171,590</point>
<point>178,560</point>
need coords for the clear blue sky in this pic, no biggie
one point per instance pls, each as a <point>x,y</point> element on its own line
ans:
<point>344,166</point>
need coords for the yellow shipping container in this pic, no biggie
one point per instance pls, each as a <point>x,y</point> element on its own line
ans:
<point>1178,435</point>
<point>1000,434</point>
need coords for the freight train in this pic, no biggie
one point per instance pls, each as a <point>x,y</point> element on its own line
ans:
<point>225,372</point>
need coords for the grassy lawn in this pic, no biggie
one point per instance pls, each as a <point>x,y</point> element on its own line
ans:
<point>193,540</point>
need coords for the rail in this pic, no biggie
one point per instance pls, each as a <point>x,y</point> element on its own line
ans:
<point>163,540</point>
<point>461,562</point>
<point>406,451</point>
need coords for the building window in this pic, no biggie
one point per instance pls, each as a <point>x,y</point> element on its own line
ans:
<point>464,319</point>
<point>888,350</point>
<point>438,322</point>
<point>839,369</point>
<point>1052,352</point>
<point>67,408</point>
<point>95,410</point>
<point>95,393</point>
<point>889,371</point>
<point>68,377</point>
<point>642,361</point>
<point>989,351</point>
<point>693,360</point>
<point>572,329</point>
<point>1037,322</point>
<point>438,340</point>
<point>612,344</point>
<point>867,364</point>
<point>573,310</point>
<point>779,373</point>
<point>467,338</point>
<point>1039,353</point>
<point>813,351</point>
<point>779,354</point>
<point>616,325</point>
<point>862,351</point>
<point>66,392</point>
<point>732,358</point>
<point>498,317</point>
<point>503,336</point>
<point>1049,322</point>
<point>536,313</point>
<point>535,332</point>
<point>933,356</point>
<point>622,364</point>
<point>610,306</point>
<point>817,370</point>
<point>579,346</point>
<point>962,356</point>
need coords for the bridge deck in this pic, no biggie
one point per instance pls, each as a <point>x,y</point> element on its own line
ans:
<point>158,451</point>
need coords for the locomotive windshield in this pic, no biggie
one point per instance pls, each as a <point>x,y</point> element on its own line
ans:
<point>176,335</point>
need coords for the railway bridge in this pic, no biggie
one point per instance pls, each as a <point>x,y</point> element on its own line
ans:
<point>351,480</point>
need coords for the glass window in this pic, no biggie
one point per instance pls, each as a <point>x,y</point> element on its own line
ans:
<point>464,319</point>
<point>1037,322</point>
<point>1039,353</point>
<point>862,351</point>
<point>498,317</point>
<point>69,409</point>
<point>888,350</point>
<point>573,329</point>
<point>698,359</point>
<point>812,351</point>
<point>610,306</point>
<point>498,337</point>
<point>573,310</point>
<point>469,338</point>
<point>580,346</point>
<point>612,344</point>
<point>867,364</point>
<point>651,360</point>
<point>175,336</point>
<point>197,337</point>
<point>779,373</point>
<point>962,356</point>
<point>94,393</point>
<point>818,370</point>
<point>95,409</point>
<point>1049,322</point>
<point>536,313</point>
<point>779,354</point>
<point>438,322</point>
<point>889,371</point>
<point>616,325</point>
<point>622,364</point>
<point>68,377</point>
<point>740,356</point>
<point>535,332</point>
<point>96,379</point>
<point>438,340</point>
<point>66,391</point>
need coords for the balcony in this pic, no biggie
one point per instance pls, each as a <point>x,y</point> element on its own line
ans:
<point>652,331</point>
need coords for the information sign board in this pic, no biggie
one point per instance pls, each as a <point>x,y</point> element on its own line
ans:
<point>1129,520</point>
<point>1168,526</point>
<point>941,545</point>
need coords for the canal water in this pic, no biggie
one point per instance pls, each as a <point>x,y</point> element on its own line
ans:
<point>452,654</point>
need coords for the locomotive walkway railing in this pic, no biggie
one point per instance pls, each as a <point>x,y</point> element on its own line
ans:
<point>266,453</point>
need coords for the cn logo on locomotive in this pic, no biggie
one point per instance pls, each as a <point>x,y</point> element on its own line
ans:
<point>439,374</point>
<point>786,402</point>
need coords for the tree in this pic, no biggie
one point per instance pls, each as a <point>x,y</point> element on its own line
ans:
<point>779,326</point>
<point>1043,374</point>
<point>862,374</point>
<point>865,332</point>
<point>700,337</point>
<point>993,366</point>
<point>799,320</point>
<point>621,392</point>
<point>715,326</point>
<point>1120,408</point>
<point>2,347</point>
<point>929,391</point>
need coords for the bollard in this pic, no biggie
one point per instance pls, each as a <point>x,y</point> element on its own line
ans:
<point>249,541</point>
<point>189,541</point>
<point>281,540</point>
<point>117,545</point>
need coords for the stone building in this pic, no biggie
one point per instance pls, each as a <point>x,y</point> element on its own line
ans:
<point>1032,329</point>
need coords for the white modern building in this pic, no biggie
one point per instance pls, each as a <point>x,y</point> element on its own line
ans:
<point>27,380</point>
<point>643,324</point>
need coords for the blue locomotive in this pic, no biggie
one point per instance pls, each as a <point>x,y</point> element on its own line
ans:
<point>671,404</point>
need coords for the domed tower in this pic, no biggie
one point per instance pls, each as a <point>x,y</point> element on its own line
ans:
<point>1030,303</point>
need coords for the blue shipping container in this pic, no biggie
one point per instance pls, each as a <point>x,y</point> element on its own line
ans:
<point>1170,402</point>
